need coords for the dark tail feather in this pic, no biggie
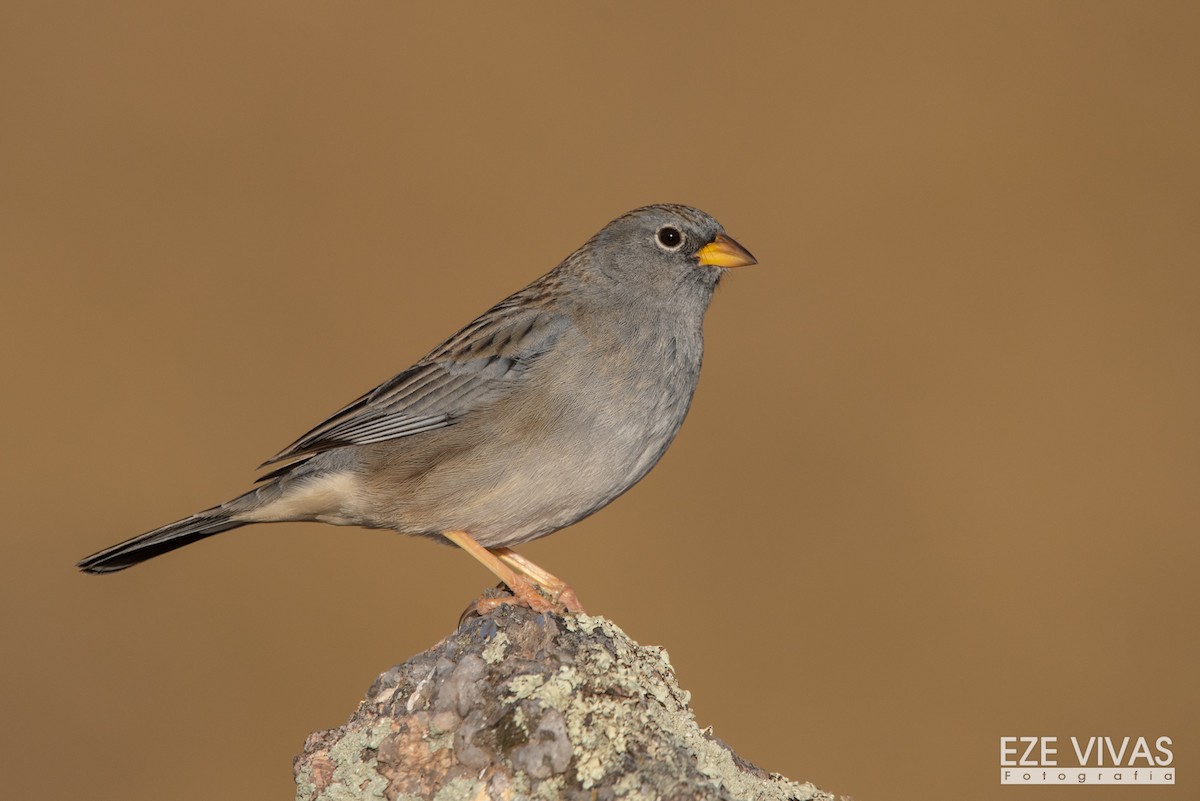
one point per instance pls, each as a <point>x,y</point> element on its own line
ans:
<point>159,541</point>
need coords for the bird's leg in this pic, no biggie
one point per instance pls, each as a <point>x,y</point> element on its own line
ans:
<point>558,589</point>
<point>524,588</point>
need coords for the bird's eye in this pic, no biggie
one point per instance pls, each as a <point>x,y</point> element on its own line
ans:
<point>669,237</point>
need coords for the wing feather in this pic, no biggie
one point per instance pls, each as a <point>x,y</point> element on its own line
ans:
<point>484,361</point>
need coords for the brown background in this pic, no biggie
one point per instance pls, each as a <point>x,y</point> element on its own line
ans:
<point>939,484</point>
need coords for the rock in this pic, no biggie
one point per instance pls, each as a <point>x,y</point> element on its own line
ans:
<point>517,705</point>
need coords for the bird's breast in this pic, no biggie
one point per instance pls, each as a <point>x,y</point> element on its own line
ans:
<point>606,421</point>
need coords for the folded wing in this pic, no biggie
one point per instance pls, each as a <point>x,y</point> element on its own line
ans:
<point>482,362</point>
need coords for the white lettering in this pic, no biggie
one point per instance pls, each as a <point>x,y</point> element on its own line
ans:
<point>1025,758</point>
<point>1116,755</point>
<point>1141,750</point>
<point>1161,745</point>
<point>1083,756</point>
<point>1007,752</point>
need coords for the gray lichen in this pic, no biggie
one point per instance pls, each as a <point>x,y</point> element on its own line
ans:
<point>518,705</point>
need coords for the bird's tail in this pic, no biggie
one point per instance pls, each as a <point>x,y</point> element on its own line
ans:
<point>159,541</point>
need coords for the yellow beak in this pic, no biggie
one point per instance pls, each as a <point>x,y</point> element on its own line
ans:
<point>724,251</point>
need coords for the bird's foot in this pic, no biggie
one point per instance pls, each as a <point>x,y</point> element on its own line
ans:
<point>570,601</point>
<point>529,584</point>
<point>527,594</point>
<point>558,591</point>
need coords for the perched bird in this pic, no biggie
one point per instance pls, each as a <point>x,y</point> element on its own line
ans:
<point>538,413</point>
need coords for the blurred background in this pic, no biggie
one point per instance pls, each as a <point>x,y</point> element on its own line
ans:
<point>939,482</point>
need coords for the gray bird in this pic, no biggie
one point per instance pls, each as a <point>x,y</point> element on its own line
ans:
<point>540,412</point>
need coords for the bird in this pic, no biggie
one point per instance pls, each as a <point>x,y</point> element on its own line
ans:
<point>541,411</point>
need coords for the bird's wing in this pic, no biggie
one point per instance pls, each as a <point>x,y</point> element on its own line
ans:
<point>483,361</point>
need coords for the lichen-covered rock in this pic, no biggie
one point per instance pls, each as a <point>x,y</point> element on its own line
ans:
<point>518,705</point>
